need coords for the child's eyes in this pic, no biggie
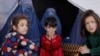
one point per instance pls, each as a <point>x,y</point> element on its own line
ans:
<point>92,21</point>
<point>27,25</point>
<point>86,23</point>
<point>22,25</point>
<point>48,27</point>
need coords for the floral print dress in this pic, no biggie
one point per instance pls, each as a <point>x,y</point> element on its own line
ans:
<point>17,45</point>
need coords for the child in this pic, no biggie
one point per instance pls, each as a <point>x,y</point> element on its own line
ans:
<point>16,44</point>
<point>90,28</point>
<point>51,42</point>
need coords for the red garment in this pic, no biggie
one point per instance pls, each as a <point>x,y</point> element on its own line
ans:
<point>51,47</point>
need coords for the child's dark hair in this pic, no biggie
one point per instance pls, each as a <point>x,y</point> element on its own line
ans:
<point>86,14</point>
<point>17,18</point>
<point>51,21</point>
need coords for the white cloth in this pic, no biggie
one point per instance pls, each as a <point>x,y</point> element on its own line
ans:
<point>87,4</point>
<point>6,8</point>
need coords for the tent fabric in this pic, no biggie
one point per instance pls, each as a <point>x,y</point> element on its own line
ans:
<point>75,35</point>
<point>6,8</point>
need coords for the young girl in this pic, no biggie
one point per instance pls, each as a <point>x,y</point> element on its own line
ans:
<point>90,28</point>
<point>16,44</point>
<point>51,42</point>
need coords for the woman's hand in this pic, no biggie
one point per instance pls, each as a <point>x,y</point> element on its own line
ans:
<point>84,49</point>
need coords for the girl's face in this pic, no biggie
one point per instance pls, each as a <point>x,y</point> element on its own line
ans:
<point>90,24</point>
<point>50,30</point>
<point>22,27</point>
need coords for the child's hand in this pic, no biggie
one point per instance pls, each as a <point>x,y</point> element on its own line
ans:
<point>33,46</point>
<point>84,50</point>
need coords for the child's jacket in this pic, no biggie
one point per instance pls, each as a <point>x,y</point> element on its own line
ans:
<point>17,45</point>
